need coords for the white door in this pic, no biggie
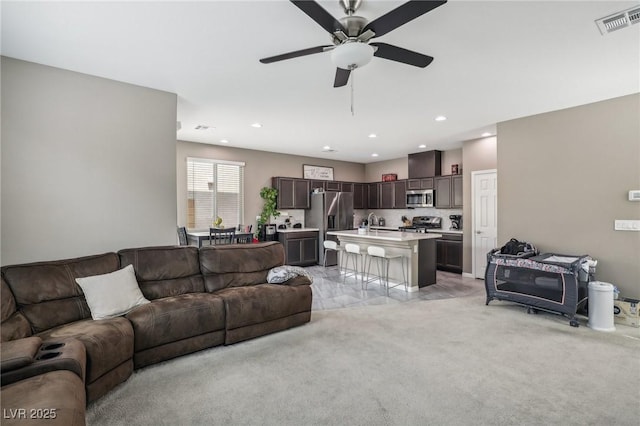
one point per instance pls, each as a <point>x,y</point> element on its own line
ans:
<point>484,193</point>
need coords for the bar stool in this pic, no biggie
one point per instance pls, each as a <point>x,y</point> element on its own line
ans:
<point>382,263</point>
<point>352,251</point>
<point>332,246</point>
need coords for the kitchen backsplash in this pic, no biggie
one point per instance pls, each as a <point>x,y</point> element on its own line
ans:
<point>393,218</point>
<point>294,216</point>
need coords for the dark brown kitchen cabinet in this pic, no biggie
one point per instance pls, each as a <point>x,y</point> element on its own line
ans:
<point>373,197</point>
<point>292,193</point>
<point>424,164</point>
<point>317,184</point>
<point>346,186</point>
<point>442,186</point>
<point>300,248</point>
<point>456,189</point>
<point>426,183</point>
<point>400,194</point>
<point>387,195</point>
<point>449,253</point>
<point>332,185</point>
<point>448,191</point>
<point>360,195</point>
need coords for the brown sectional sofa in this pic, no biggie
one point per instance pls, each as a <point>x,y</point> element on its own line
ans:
<point>200,298</point>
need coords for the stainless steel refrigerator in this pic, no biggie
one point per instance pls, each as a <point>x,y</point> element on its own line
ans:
<point>330,211</point>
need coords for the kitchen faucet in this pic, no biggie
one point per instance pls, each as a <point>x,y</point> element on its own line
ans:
<point>369,220</point>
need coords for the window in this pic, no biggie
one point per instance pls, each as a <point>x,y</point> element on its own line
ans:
<point>215,188</point>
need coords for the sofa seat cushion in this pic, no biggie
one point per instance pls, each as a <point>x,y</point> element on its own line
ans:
<point>175,318</point>
<point>108,343</point>
<point>57,398</point>
<point>263,302</point>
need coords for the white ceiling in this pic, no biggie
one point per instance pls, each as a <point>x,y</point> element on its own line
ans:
<point>494,61</point>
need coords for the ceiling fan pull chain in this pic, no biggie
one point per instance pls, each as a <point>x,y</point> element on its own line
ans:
<point>352,78</point>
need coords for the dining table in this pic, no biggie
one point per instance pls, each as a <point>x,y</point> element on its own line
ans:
<point>200,237</point>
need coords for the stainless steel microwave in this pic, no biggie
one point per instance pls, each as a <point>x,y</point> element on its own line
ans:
<point>420,198</point>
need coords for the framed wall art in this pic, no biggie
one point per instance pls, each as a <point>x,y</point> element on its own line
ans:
<point>317,172</point>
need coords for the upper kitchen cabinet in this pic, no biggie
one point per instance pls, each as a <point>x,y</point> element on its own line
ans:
<point>425,183</point>
<point>448,191</point>
<point>425,164</point>
<point>393,195</point>
<point>400,196</point>
<point>292,193</point>
<point>346,186</point>
<point>360,195</point>
<point>373,198</point>
<point>332,185</point>
<point>317,184</point>
<point>387,195</point>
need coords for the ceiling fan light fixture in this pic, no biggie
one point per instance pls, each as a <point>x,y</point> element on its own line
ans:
<point>352,55</point>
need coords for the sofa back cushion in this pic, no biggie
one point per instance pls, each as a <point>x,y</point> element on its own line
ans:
<point>239,264</point>
<point>47,293</point>
<point>13,325</point>
<point>165,271</point>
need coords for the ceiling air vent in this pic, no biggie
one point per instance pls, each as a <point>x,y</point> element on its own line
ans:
<point>618,20</point>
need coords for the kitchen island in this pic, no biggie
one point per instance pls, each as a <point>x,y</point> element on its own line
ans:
<point>419,248</point>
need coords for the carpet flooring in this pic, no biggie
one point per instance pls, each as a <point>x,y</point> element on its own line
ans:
<point>422,362</point>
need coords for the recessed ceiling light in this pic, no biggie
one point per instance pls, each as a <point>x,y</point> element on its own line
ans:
<point>374,154</point>
<point>441,118</point>
<point>373,135</point>
<point>485,134</point>
<point>422,146</point>
<point>224,141</point>
<point>326,147</point>
<point>256,125</point>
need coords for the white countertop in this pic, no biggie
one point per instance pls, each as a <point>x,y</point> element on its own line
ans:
<point>285,231</point>
<point>385,235</point>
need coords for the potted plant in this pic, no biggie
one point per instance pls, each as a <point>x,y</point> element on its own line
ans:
<point>270,196</point>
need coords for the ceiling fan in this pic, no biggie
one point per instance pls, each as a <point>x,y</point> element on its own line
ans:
<point>350,35</point>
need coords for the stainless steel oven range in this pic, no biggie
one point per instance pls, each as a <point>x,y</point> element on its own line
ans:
<point>422,223</point>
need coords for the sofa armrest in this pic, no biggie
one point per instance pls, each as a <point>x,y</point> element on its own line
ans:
<point>69,355</point>
<point>18,353</point>
<point>298,280</point>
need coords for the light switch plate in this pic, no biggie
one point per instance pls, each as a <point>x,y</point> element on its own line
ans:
<point>627,225</point>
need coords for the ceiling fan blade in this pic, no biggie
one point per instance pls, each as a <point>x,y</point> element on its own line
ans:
<point>296,54</point>
<point>342,77</point>
<point>398,54</point>
<point>320,15</point>
<point>401,15</point>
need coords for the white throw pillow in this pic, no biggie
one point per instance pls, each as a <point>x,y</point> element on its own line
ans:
<point>112,295</point>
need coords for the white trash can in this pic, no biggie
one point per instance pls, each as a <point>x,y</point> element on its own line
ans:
<point>601,306</point>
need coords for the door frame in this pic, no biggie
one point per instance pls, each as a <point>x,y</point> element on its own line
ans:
<point>473,215</point>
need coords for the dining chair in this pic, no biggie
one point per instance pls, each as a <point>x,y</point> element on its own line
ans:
<point>246,236</point>
<point>182,236</point>
<point>222,236</point>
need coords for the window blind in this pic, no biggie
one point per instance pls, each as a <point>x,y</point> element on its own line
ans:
<point>215,188</point>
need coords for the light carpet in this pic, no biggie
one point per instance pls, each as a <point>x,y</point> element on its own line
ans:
<point>424,362</point>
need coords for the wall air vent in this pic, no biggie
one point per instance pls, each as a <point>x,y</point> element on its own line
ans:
<point>618,20</point>
<point>203,127</point>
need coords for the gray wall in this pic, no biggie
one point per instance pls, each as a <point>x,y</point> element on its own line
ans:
<point>88,164</point>
<point>260,167</point>
<point>564,178</point>
<point>477,154</point>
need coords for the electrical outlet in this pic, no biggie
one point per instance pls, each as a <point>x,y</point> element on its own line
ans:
<point>627,225</point>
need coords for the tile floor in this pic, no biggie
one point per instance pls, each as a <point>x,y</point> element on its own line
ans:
<point>330,291</point>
